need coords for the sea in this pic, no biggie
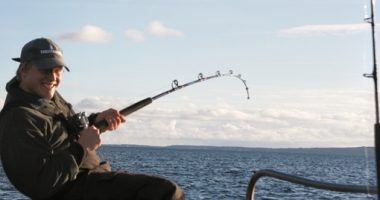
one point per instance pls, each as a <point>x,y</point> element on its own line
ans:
<point>224,172</point>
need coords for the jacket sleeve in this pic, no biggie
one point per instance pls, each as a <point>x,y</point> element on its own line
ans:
<point>27,141</point>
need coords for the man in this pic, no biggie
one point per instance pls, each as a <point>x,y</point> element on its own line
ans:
<point>42,154</point>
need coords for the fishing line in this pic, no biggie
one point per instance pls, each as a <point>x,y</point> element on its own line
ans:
<point>155,90</point>
<point>152,91</point>
<point>175,87</point>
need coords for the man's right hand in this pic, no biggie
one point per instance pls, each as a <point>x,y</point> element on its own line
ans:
<point>90,138</point>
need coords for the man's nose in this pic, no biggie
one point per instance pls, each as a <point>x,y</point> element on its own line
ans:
<point>51,75</point>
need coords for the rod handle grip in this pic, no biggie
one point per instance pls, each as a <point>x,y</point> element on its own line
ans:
<point>126,111</point>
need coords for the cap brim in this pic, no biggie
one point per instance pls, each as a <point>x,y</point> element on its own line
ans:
<point>16,59</point>
<point>48,63</point>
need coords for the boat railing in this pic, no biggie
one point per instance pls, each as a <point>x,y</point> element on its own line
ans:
<point>306,182</point>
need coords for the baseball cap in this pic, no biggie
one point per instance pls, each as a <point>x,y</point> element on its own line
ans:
<point>44,53</point>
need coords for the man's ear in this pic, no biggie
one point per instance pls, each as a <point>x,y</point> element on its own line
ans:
<point>22,69</point>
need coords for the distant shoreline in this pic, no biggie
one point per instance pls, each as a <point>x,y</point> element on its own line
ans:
<point>319,150</point>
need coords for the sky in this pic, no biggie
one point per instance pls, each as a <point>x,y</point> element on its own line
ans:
<point>302,60</point>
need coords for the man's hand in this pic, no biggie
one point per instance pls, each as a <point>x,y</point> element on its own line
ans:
<point>113,118</point>
<point>90,138</point>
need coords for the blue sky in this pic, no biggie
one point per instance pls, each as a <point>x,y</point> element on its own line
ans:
<point>303,62</point>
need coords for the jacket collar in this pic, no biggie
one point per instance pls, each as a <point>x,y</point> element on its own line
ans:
<point>15,93</point>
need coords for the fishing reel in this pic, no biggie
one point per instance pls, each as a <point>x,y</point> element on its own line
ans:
<point>77,123</point>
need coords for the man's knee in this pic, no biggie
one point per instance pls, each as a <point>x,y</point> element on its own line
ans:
<point>171,189</point>
<point>152,187</point>
<point>178,194</point>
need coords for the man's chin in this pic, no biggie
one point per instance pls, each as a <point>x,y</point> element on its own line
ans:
<point>49,95</point>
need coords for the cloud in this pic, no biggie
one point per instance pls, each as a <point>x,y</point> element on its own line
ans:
<point>94,34</point>
<point>135,35</point>
<point>88,34</point>
<point>98,104</point>
<point>155,28</point>
<point>158,29</point>
<point>304,118</point>
<point>321,30</point>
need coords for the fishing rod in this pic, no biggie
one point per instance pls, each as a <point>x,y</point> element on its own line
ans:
<point>373,75</point>
<point>371,20</point>
<point>175,87</point>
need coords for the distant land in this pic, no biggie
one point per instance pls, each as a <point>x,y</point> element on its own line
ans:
<point>362,151</point>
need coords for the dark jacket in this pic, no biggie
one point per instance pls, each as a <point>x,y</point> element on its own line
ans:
<point>31,137</point>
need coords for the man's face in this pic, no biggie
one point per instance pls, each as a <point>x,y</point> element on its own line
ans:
<point>42,83</point>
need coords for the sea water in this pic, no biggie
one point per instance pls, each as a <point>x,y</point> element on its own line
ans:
<point>225,173</point>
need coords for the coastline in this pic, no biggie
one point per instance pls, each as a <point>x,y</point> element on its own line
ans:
<point>349,151</point>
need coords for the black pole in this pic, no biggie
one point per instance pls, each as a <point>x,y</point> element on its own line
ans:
<point>371,20</point>
<point>377,153</point>
<point>374,73</point>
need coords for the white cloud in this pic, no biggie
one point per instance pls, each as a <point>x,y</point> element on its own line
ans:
<point>155,28</point>
<point>135,35</point>
<point>158,29</point>
<point>332,121</point>
<point>320,30</point>
<point>98,104</point>
<point>89,34</point>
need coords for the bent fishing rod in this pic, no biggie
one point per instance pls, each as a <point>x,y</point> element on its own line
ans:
<point>175,87</point>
